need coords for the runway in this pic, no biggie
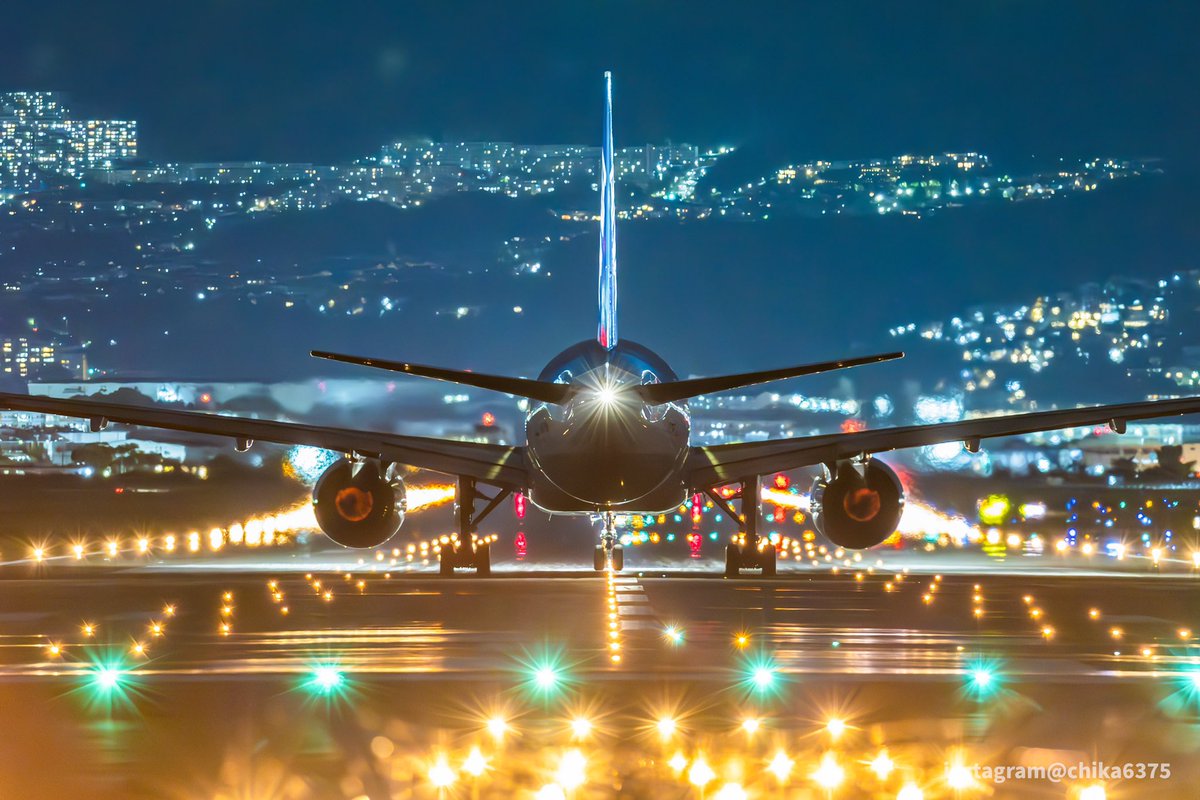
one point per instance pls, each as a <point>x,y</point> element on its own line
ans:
<point>323,677</point>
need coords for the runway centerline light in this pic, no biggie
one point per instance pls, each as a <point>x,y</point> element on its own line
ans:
<point>475,764</point>
<point>326,679</point>
<point>701,774</point>
<point>1093,792</point>
<point>983,677</point>
<point>959,777</point>
<point>581,727</point>
<point>665,727</point>
<point>910,791</point>
<point>731,791</point>
<point>546,675</point>
<point>572,770</point>
<point>882,765</point>
<point>497,727</point>
<point>441,775</point>
<point>836,727</point>
<point>780,766</point>
<point>107,678</point>
<point>546,678</point>
<point>829,774</point>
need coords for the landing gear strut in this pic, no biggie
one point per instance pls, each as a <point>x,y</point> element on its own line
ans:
<point>608,551</point>
<point>748,550</point>
<point>470,551</point>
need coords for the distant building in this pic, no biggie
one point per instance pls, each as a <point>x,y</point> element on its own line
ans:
<point>31,356</point>
<point>40,141</point>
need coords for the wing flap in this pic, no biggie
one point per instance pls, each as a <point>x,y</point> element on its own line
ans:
<point>710,466</point>
<point>496,464</point>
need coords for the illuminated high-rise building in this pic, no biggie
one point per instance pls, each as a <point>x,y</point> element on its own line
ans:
<point>39,141</point>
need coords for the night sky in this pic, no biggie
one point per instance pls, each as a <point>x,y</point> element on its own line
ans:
<point>218,79</point>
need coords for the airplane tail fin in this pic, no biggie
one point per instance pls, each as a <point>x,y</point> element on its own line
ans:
<point>607,332</point>
<point>658,393</point>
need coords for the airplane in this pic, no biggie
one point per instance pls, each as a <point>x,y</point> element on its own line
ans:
<point>607,432</point>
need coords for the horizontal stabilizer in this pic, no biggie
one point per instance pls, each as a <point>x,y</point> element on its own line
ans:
<point>521,387</point>
<point>659,393</point>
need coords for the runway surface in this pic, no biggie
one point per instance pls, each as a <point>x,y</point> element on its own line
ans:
<point>297,675</point>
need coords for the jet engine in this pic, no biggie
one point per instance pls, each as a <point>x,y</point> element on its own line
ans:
<point>360,503</point>
<point>857,506</point>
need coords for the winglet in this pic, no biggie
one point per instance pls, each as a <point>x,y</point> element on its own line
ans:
<point>607,333</point>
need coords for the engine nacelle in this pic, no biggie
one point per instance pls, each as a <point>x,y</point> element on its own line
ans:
<point>360,503</point>
<point>857,508</point>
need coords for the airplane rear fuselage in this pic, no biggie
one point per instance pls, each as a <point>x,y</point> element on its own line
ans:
<point>605,449</point>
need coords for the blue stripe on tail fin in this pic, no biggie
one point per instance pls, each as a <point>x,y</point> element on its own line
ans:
<point>607,333</point>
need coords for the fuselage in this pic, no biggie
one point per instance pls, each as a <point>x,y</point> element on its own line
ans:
<point>605,449</point>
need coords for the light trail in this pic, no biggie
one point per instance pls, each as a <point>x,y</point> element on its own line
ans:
<point>430,496</point>
<point>259,530</point>
<point>918,518</point>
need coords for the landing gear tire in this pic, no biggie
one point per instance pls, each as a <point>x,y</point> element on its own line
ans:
<point>766,559</point>
<point>446,561</point>
<point>733,560</point>
<point>483,560</point>
<point>608,552</point>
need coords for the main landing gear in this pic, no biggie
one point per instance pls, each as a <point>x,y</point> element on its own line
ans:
<point>470,551</point>
<point>608,551</point>
<point>748,550</point>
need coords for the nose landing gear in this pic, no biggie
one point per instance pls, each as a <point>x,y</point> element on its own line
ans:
<point>608,552</point>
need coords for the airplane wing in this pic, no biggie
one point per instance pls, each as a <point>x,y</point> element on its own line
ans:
<point>494,464</point>
<point>713,466</point>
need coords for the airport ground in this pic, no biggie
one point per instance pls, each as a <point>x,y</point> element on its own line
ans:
<point>302,673</point>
